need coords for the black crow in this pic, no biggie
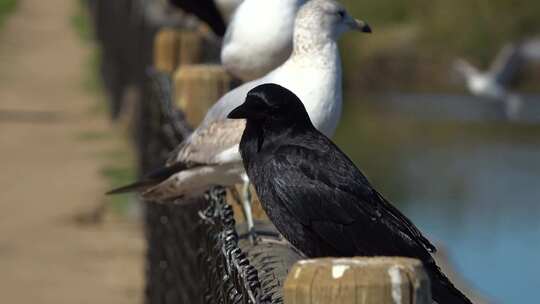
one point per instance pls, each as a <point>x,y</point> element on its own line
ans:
<point>315,195</point>
<point>206,10</point>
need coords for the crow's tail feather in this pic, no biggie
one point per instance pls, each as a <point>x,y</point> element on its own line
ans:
<point>443,291</point>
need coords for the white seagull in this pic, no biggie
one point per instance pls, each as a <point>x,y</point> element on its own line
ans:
<point>259,37</point>
<point>493,84</point>
<point>210,155</point>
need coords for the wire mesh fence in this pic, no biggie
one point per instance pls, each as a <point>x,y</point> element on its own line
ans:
<point>172,274</point>
<point>238,271</point>
<point>195,254</point>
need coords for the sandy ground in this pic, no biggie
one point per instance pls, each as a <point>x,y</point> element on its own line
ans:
<point>48,176</point>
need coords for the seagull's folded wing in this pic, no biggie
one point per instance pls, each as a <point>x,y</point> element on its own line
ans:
<point>215,143</point>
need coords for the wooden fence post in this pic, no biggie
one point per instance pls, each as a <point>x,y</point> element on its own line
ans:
<point>190,47</point>
<point>198,87</point>
<point>174,48</point>
<point>166,46</point>
<point>360,280</point>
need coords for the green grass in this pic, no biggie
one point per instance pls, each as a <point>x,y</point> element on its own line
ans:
<point>94,136</point>
<point>81,22</point>
<point>6,7</point>
<point>117,165</point>
<point>410,35</point>
<point>473,27</point>
<point>118,162</point>
<point>118,175</point>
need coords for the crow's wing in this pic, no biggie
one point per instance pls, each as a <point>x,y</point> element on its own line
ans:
<point>323,189</point>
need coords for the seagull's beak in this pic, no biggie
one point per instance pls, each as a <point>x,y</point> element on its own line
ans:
<point>359,25</point>
<point>240,112</point>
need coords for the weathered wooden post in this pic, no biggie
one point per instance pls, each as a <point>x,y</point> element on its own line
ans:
<point>190,47</point>
<point>166,46</point>
<point>198,87</point>
<point>360,280</point>
<point>174,48</point>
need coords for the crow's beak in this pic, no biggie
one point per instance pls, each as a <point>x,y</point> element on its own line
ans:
<point>240,112</point>
<point>359,25</point>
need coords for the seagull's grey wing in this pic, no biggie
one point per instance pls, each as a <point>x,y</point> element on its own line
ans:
<point>229,32</point>
<point>217,135</point>
<point>531,49</point>
<point>507,64</point>
<point>229,102</point>
<point>214,143</point>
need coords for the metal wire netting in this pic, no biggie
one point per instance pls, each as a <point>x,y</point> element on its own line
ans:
<point>194,253</point>
<point>238,271</point>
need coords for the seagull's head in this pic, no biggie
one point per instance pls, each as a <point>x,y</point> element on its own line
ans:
<point>271,102</point>
<point>328,18</point>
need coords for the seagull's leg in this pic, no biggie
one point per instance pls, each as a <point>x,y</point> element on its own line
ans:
<point>246,207</point>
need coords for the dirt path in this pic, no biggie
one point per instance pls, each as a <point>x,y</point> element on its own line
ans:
<point>49,176</point>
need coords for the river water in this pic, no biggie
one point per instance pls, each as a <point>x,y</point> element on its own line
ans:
<point>466,176</point>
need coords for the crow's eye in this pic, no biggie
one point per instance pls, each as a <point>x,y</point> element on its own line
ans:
<point>341,14</point>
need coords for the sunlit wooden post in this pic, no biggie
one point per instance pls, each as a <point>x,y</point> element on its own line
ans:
<point>174,48</point>
<point>190,47</point>
<point>166,46</point>
<point>198,87</point>
<point>359,280</point>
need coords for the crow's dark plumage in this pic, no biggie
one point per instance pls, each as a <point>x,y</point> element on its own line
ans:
<point>316,196</point>
<point>206,10</point>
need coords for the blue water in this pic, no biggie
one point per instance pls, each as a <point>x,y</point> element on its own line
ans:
<point>471,185</point>
<point>492,226</point>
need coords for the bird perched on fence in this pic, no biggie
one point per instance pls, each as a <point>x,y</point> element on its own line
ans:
<point>314,194</point>
<point>493,84</point>
<point>206,10</point>
<point>259,37</point>
<point>210,155</point>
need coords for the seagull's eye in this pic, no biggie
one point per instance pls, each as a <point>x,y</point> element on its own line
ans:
<point>341,14</point>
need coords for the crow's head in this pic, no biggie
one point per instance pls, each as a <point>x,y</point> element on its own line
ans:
<point>271,102</point>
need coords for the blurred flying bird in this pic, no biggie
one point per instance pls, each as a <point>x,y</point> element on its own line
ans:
<point>206,10</point>
<point>259,37</point>
<point>210,155</point>
<point>315,195</point>
<point>493,84</point>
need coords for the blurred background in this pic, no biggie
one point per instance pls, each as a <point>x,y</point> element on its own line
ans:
<point>463,169</point>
